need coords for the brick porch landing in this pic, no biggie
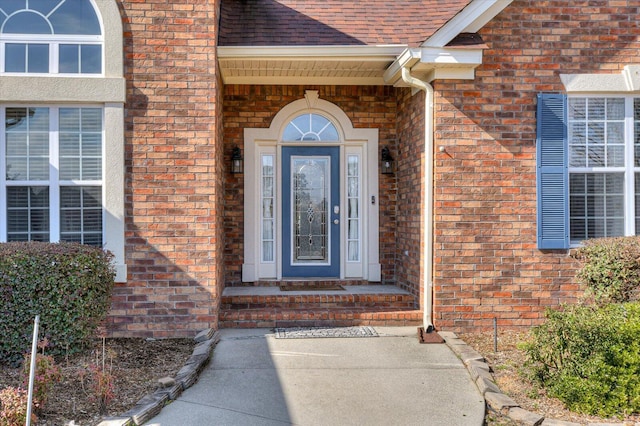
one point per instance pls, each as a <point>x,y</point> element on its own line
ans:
<point>269,306</point>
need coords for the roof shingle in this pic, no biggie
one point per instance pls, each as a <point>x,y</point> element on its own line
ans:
<point>333,22</point>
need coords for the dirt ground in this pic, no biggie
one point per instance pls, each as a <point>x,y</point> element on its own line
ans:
<point>137,364</point>
<point>506,365</point>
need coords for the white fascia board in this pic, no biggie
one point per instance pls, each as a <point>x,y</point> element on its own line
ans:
<point>311,52</point>
<point>428,59</point>
<point>408,58</point>
<point>469,20</point>
<point>451,56</point>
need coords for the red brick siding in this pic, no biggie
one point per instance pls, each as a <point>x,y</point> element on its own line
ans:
<point>255,106</point>
<point>174,181</point>
<point>410,192</point>
<point>487,263</point>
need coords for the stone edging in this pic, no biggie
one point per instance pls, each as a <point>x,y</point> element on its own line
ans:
<point>495,400</point>
<point>171,388</point>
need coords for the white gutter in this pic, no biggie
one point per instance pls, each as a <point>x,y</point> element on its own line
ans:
<point>428,194</point>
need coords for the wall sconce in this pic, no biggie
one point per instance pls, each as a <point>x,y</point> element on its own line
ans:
<point>386,162</point>
<point>236,161</point>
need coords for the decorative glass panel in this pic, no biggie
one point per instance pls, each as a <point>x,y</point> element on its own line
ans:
<point>81,214</point>
<point>310,127</point>
<point>27,213</point>
<point>596,132</point>
<point>268,216</point>
<point>80,144</point>
<point>596,205</point>
<point>310,203</point>
<point>353,208</point>
<point>636,141</point>
<point>27,150</point>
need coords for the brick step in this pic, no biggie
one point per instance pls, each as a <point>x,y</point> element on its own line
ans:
<point>246,307</point>
<point>339,317</point>
<point>306,283</point>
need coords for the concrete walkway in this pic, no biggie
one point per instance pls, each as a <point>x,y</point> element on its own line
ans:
<point>256,379</point>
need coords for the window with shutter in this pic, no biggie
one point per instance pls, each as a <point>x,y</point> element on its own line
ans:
<point>588,158</point>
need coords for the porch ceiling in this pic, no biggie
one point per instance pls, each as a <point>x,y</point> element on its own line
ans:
<point>370,65</point>
<point>362,65</point>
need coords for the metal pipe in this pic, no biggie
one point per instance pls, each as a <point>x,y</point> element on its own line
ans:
<point>428,194</point>
<point>32,368</point>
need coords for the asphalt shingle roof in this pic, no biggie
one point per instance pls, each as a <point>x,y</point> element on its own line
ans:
<point>333,22</point>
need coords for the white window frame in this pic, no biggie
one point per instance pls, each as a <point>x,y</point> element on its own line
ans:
<point>54,42</point>
<point>628,168</point>
<point>54,183</point>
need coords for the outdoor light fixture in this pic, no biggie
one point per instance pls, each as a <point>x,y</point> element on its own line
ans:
<point>386,162</point>
<point>236,160</point>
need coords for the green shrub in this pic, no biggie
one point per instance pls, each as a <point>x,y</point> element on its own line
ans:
<point>588,356</point>
<point>610,268</point>
<point>67,284</point>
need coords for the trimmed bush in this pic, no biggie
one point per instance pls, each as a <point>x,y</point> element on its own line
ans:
<point>610,268</point>
<point>69,285</point>
<point>589,357</point>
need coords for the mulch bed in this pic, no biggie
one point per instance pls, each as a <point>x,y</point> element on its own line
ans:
<point>137,364</point>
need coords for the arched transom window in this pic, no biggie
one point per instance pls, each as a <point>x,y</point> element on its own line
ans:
<point>50,37</point>
<point>310,127</point>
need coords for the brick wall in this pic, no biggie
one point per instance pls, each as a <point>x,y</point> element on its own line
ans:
<point>255,106</point>
<point>174,180</point>
<point>410,191</point>
<point>487,263</point>
<point>184,211</point>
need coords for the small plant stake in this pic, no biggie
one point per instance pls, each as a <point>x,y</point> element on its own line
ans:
<point>32,369</point>
<point>495,334</point>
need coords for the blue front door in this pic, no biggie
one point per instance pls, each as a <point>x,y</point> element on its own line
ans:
<point>311,212</point>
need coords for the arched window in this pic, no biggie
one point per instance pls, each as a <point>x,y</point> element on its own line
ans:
<point>310,127</point>
<point>50,37</point>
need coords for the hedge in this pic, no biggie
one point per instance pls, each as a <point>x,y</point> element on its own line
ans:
<point>68,284</point>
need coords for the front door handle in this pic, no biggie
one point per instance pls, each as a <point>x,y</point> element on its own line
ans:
<point>336,209</point>
<point>336,221</point>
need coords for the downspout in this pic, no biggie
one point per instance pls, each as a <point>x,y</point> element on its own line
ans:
<point>428,195</point>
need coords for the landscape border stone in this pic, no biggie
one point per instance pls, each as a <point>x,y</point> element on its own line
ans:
<point>151,405</point>
<point>495,400</point>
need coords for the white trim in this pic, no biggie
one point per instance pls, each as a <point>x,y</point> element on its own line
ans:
<point>269,140</point>
<point>311,52</point>
<point>3,173</point>
<point>469,20</point>
<point>435,63</point>
<point>628,170</point>
<point>627,81</point>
